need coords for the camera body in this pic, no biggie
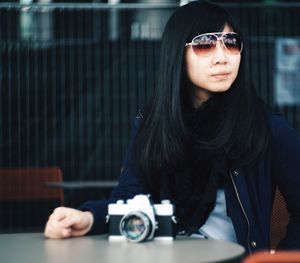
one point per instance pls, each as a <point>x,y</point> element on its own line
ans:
<point>138,220</point>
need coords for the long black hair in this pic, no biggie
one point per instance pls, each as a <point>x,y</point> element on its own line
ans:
<point>163,135</point>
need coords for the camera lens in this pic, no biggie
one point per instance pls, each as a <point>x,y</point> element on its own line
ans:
<point>135,226</point>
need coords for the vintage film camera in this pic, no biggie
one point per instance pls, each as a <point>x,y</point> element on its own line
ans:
<point>138,220</point>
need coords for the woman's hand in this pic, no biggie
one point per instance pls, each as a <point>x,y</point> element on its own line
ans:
<point>67,222</point>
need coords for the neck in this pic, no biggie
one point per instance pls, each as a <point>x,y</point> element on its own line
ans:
<point>198,96</point>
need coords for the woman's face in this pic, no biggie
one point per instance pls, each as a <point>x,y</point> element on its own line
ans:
<point>211,74</point>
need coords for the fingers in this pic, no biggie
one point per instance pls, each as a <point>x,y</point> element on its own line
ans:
<point>67,232</point>
<point>77,233</point>
<point>66,222</point>
<point>79,223</point>
<point>59,213</point>
<point>70,220</point>
<point>54,228</point>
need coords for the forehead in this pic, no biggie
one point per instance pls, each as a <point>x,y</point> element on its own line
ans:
<point>227,28</point>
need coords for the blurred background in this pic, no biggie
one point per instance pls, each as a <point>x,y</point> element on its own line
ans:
<point>73,76</point>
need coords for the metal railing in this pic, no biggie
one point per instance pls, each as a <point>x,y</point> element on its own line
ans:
<point>73,77</point>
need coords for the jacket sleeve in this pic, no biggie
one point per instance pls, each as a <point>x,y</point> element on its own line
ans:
<point>286,167</point>
<point>129,185</point>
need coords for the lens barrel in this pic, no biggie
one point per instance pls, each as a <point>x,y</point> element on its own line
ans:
<point>136,226</point>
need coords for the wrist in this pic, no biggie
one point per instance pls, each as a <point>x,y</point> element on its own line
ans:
<point>89,219</point>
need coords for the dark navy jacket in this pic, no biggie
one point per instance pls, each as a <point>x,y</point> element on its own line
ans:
<point>249,195</point>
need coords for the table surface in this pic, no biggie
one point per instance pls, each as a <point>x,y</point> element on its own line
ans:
<point>35,248</point>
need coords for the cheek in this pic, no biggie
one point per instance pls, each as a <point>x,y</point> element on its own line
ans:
<point>236,64</point>
<point>195,69</point>
<point>194,74</point>
<point>191,64</point>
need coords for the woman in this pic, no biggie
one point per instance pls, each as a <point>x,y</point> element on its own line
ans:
<point>205,141</point>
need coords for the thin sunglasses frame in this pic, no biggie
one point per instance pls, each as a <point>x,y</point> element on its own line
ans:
<point>220,37</point>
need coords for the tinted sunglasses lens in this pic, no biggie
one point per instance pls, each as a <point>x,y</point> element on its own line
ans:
<point>204,45</point>
<point>233,43</point>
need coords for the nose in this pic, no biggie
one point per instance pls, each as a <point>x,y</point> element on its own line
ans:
<point>220,56</point>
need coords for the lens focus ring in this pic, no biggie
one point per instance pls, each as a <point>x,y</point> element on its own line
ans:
<point>135,226</point>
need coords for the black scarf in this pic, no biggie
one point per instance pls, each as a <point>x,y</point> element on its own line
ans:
<point>192,186</point>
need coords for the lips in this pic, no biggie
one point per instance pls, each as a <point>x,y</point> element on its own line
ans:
<point>221,75</point>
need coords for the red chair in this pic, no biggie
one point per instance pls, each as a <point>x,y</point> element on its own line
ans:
<point>277,257</point>
<point>279,220</point>
<point>30,184</point>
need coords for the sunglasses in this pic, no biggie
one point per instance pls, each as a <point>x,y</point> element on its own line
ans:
<point>205,45</point>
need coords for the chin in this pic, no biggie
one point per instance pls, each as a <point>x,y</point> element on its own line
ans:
<point>221,89</point>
